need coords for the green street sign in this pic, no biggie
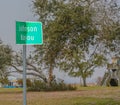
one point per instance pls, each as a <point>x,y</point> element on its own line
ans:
<point>29,33</point>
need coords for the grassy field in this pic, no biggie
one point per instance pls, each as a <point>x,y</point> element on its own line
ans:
<point>83,96</point>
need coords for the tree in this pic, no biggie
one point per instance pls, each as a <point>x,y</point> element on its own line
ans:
<point>32,67</point>
<point>5,60</point>
<point>69,32</point>
<point>83,67</point>
<point>107,21</point>
<point>48,52</point>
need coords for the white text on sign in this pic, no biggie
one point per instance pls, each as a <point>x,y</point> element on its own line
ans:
<point>27,29</point>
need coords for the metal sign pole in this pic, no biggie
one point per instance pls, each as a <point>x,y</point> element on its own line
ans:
<point>24,75</point>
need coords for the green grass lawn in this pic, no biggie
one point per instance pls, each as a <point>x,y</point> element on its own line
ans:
<point>82,96</point>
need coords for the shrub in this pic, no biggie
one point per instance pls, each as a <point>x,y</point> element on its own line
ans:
<point>28,82</point>
<point>38,85</point>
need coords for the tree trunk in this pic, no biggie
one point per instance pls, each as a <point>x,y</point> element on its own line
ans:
<point>81,81</point>
<point>50,75</point>
<point>84,82</point>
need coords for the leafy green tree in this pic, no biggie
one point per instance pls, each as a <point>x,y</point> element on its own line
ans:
<point>48,52</point>
<point>82,66</point>
<point>32,66</point>
<point>5,60</point>
<point>107,21</point>
<point>69,31</point>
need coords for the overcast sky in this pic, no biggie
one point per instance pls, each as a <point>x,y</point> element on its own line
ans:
<point>21,10</point>
<point>10,11</point>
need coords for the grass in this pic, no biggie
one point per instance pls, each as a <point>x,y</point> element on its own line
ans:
<point>10,90</point>
<point>76,101</point>
<point>82,96</point>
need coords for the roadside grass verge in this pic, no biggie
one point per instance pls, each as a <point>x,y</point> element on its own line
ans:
<point>65,101</point>
<point>82,96</point>
<point>10,90</point>
<point>76,101</point>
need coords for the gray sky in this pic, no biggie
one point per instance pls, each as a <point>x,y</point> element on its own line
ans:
<point>21,10</point>
<point>10,11</point>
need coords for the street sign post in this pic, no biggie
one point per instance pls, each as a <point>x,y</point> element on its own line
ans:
<point>24,76</point>
<point>28,33</point>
